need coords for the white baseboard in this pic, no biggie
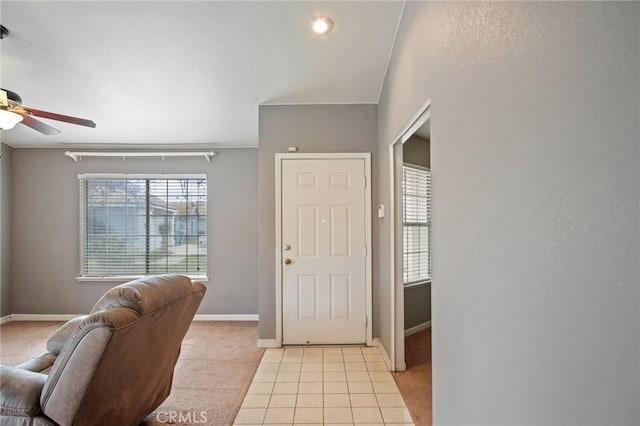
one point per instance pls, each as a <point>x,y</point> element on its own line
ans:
<point>377,342</point>
<point>43,317</point>
<point>67,317</point>
<point>267,343</point>
<point>226,317</point>
<point>418,328</point>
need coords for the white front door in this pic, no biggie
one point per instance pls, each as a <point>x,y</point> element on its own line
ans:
<point>323,251</point>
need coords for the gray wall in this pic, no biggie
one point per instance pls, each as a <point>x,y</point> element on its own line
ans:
<point>417,150</point>
<point>45,225</point>
<point>312,128</point>
<point>5,230</point>
<point>417,299</point>
<point>536,187</point>
<point>417,305</point>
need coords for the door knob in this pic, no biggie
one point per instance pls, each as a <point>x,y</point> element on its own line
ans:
<point>287,261</point>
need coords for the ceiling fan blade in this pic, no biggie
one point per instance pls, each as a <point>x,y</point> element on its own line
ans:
<point>38,125</point>
<point>60,117</point>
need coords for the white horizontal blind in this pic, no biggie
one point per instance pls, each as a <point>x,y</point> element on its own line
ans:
<point>416,218</point>
<point>133,226</point>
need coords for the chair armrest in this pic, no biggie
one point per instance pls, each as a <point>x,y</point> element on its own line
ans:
<point>20,391</point>
<point>63,334</point>
<point>40,364</point>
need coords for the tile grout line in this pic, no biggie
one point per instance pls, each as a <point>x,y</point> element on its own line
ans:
<point>367,358</point>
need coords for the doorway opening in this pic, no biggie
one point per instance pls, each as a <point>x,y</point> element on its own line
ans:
<point>410,186</point>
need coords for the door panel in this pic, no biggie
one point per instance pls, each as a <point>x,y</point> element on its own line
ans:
<point>307,297</point>
<point>307,231</point>
<point>340,297</point>
<point>324,237</point>
<point>340,231</point>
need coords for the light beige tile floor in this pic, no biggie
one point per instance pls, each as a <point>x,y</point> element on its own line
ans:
<point>323,386</point>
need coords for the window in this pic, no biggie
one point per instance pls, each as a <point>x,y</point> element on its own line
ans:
<point>416,221</point>
<point>138,225</point>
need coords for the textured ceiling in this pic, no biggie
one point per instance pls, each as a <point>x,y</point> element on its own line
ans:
<point>186,73</point>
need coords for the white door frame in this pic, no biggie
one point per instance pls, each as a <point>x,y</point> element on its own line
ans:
<point>395,261</point>
<point>366,156</point>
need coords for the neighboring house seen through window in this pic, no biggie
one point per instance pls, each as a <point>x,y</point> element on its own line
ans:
<point>137,225</point>
<point>416,218</point>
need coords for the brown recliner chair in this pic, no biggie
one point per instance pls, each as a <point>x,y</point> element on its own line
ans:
<point>112,367</point>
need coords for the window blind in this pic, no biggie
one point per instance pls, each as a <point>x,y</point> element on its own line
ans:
<point>132,226</point>
<point>416,218</point>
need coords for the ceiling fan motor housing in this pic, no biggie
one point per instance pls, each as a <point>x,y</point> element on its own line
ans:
<point>13,96</point>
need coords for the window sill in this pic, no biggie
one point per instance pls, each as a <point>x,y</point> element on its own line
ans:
<point>418,284</point>
<point>124,279</point>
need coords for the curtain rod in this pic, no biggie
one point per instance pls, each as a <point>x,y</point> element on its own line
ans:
<point>76,156</point>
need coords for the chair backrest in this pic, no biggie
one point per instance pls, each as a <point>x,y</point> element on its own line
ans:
<point>117,367</point>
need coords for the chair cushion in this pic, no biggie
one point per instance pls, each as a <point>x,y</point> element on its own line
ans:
<point>147,294</point>
<point>20,391</point>
<point>57,341</point>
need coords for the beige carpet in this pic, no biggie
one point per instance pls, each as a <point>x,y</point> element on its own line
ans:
<point>415,382</point>
<point>214,371</point>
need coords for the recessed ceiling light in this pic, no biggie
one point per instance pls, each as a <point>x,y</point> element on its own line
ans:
<point>321,25</point>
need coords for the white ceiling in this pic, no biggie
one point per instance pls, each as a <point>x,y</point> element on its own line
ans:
<point>186,73</point>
